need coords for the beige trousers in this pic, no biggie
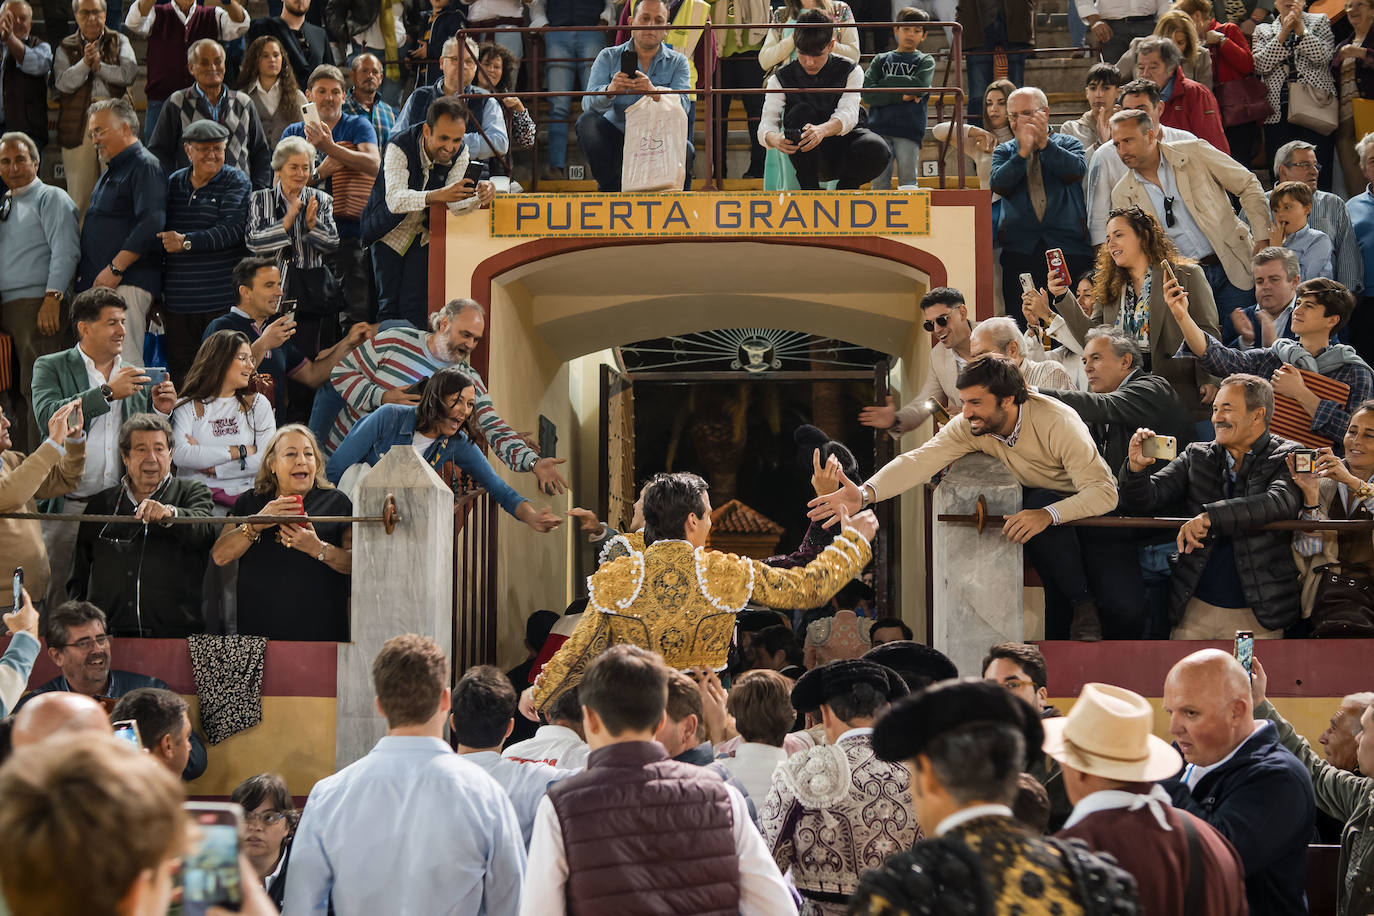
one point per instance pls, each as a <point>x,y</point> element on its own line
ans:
<point>139,301</point>
<point>82,167</point>
<point>1207,621</point>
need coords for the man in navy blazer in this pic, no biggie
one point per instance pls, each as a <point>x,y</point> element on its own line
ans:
<point>1039,176</point>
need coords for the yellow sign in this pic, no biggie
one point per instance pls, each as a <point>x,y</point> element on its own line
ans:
<point>680,214</point>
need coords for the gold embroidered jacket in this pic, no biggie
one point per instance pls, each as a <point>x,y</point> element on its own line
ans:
<point>681,602</point>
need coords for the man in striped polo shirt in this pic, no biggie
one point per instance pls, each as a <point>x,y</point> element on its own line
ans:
<point>207,213</point>
<point>385,369</point>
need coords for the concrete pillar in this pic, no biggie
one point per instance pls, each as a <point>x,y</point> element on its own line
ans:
<point>977,576</point>
<point>402,583</point>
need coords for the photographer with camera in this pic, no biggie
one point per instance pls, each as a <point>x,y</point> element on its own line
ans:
<point>1323,307</point>
<point>820,131</point>
<point>426,164</point>
<point>1229,575</point>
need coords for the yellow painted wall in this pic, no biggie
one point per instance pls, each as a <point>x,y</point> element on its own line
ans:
<point>527,380</point>
<point>295,739</point>
<point>526,377</point>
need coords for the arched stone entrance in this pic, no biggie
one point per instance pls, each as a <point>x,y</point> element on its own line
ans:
<point>558,304</point>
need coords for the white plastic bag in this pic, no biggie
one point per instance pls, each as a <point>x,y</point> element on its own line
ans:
<point>655,145</point>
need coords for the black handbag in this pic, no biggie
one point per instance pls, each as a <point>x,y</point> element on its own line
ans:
<point>1344,604</point>
<point>315,290</point>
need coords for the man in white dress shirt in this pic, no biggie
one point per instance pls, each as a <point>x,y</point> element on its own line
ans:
<point>639,833</point>
<point>483,715</point>
<point>412,827</point>
<point>559,744</point>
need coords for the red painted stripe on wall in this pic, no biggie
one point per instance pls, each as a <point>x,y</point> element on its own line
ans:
<point>1296,667</point>
<point>291,669</point>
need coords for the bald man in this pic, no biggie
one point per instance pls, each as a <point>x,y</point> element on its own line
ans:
<point>1240,779</point>
<point>50,713</point>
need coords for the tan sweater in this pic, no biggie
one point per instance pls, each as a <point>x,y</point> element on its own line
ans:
<point>42,475</point>
<point>1053,450</point>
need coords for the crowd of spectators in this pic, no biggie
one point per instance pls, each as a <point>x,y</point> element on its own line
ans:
<point>879,782</point>
<point>265,227</point>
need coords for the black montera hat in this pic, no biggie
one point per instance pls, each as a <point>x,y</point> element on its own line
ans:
<point>906,727</point>
<point>820,684</point>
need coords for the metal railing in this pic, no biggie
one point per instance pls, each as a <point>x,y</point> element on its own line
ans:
<point>707,92</point>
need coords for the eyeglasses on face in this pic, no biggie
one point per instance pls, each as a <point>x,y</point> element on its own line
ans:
<point>264,818</point>
<point>940,321</point>
<point>89,643</point>
<point>1314,167</point>
<point>1014,683</point>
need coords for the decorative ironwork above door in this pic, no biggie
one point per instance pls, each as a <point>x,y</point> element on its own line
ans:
<point>749,351</point>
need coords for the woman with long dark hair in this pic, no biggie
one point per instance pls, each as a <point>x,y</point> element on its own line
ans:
<point>221,422</point>
<point>435,428</point>
<point>267,78</point>
<point>1128,293</point>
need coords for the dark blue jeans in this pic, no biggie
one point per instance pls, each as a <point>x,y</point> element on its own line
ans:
<point>1227,296</point>
<point>402,283</point>
<point>980,66</point>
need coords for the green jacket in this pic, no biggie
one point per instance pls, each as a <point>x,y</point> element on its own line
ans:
<point>60,377</point>
<point>1349,797</point>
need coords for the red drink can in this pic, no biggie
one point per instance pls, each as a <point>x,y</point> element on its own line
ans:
<point>1054,259</point>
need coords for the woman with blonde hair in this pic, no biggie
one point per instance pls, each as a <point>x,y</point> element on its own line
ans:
<point>293,582</point>
<point>1179,28</point>
<point>1128,293</point>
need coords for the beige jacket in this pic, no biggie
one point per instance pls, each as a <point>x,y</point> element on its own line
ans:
<point>1053,450</point>
<point>939,386</point>
<point>1205,174</point>
<point>44,474</point>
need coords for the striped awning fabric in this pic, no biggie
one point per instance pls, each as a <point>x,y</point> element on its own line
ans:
<point>1292,422</point>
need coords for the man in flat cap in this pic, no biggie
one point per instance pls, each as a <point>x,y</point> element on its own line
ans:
<point>1111,765</point>
<point>207,214</point>
<point>679,599</point>
<point>836,810</point>
<point>965,744</point>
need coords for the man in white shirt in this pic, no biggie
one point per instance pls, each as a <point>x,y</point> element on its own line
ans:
<point>483,715</point>
<point>1113,23</point>
<point>424,165</point>
<point>559,744</point>
<point>412,827</point>
<point>637,833</point>
<point>110,392</point>
<point>1001,335</point>
<point>170,28</point>
<point>1104,166</point>
<point>946,316</point>
<point>827,143</point>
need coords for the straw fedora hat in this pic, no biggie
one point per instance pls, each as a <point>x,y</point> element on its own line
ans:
<point>1107,734</point>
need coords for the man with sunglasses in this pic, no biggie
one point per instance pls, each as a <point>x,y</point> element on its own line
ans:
<point>946,316</point>
<point>1104,165</point>
<point>80,645</point>
<point>1185,185</point>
